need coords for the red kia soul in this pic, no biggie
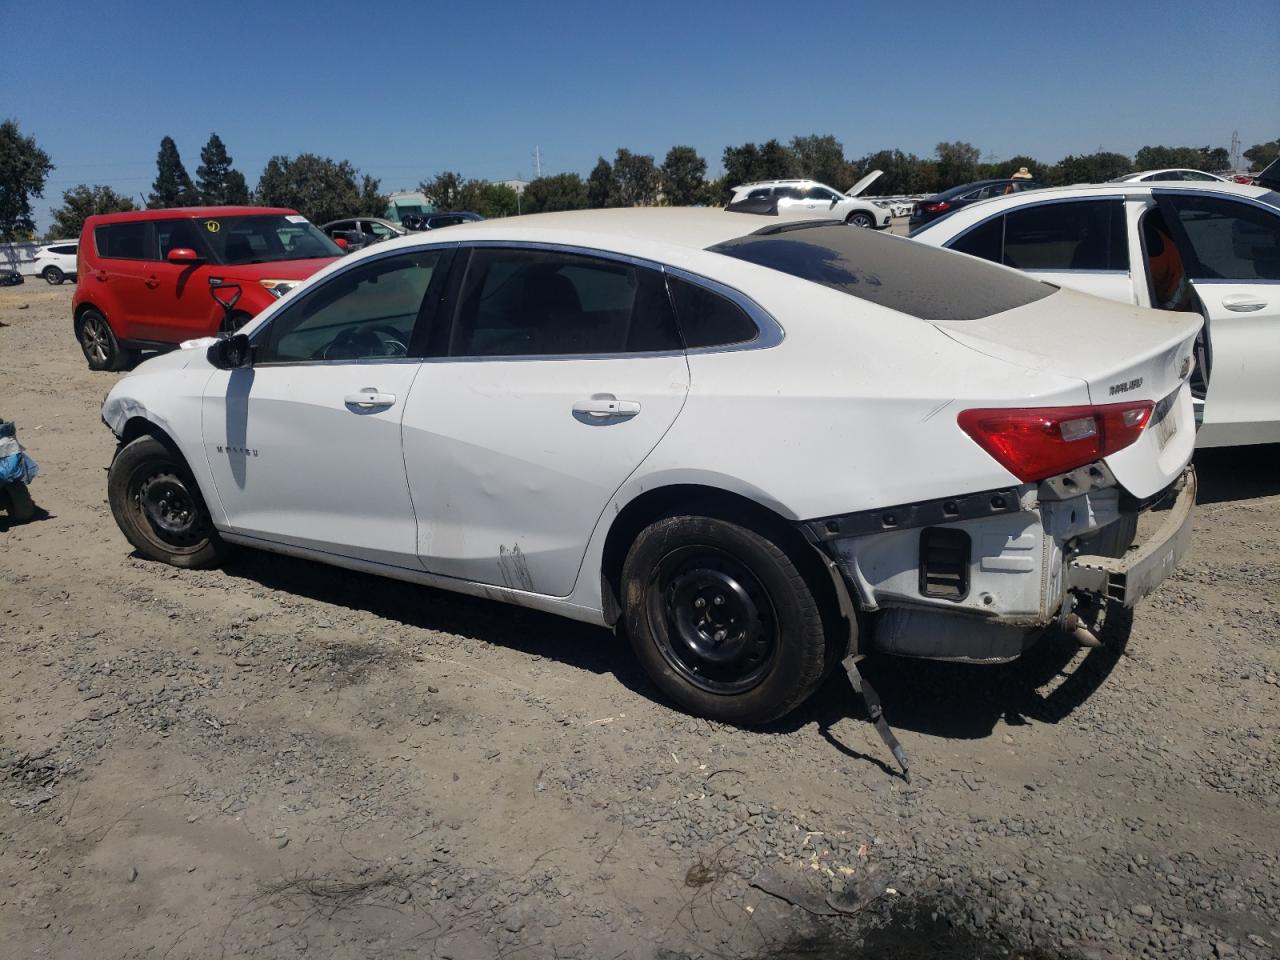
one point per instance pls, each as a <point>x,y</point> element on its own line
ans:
<point>146,276</point>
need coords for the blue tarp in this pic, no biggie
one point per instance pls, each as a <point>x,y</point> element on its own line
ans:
<point>15,466</point>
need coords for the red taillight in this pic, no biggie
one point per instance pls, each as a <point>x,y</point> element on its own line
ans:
<point>1037,442</point>
<point>940,207</point>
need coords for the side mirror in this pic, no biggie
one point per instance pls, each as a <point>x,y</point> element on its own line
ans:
<point>342,242</point>
<point>183,255</point>
<point>232,353</point>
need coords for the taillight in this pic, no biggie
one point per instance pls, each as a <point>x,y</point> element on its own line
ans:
<point>940,207</point>
<point>1037,442</point>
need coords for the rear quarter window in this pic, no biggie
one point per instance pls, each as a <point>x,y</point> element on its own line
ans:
<point>122,241</point>
<point>903,275</point>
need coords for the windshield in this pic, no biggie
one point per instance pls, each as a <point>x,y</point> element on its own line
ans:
<point>265,238</point>
<point>922,281</point>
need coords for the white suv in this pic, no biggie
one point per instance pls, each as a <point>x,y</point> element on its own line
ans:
<point>813,200</point>
<point>56,261</point>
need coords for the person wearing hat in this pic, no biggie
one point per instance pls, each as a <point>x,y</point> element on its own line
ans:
<point>1022,174</point>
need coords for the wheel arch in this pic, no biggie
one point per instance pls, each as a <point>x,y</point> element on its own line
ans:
<point>704,499</point>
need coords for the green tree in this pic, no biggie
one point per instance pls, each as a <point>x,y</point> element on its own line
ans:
<point>216,182</point>
<point>682,176</point>
<point>443,189</point>
<point>957,163</point>
<point>83,201</point>
<point>172,186</point>
<point>1259,155</point>
<point>1008,168</point>
<point>901,173</point>
<point>635,179</point>
<point>24,167</point>
<point>319,188</point>
<point>373,202</point>
<point>821,158</point>
<point>1215,158</point>
<point>490,200</point>
<point>1088,168</point>
<point>600,190</point>
<point>769,161</point>
<point>564,191</point>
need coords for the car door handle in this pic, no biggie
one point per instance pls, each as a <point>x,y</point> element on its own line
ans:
<point>606,406</point>
<point>151,282</point>
<point>1243,303</point>
<point>369,399</point>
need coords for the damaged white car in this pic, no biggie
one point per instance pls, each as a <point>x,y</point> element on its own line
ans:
<point>759,450</point>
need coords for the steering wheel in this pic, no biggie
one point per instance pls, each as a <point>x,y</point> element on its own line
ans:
<point>359,343</point>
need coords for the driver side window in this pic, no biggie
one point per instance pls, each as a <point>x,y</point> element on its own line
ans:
<point>366,313</point>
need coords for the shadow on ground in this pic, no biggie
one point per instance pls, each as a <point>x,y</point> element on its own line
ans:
<point>940,699</point>
<point>1238,473</point>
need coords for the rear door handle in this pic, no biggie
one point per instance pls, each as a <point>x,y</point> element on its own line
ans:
<point>1243,303</point>
<point>369,399</point>
<point>606,406</point>
<point>151,282</point>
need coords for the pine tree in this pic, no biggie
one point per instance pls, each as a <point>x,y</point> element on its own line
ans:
<point>173,186</point>
<point>216,182</point>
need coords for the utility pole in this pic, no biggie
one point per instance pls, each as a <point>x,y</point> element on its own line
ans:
<point>537,161</point>
<point>1235,150</point>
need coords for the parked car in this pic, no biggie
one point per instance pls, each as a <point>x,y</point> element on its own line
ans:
<point>948,201</point>
<point>1166,176</point>
<point>754,449</point>
<point>9,278</point>
<point>146,274</point>
<point>438,221</point>
<point>56,262</point>
<point>360,232</point>
<point>809,199</point>
<point>1210,248</point>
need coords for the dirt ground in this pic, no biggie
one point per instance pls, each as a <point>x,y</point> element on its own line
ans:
<point>280,759</point>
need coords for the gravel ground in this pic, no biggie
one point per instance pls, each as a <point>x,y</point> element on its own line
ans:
<point>282,759</point>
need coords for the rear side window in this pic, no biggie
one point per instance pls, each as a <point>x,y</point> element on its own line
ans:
<point>894,272</point>
<point>1230,240</point>
<point>1088,235</point>
<point>759,193</point>
<point>708,319</point>
<point>65,250</point>
<point>122,241</point>
<point>545,303</point>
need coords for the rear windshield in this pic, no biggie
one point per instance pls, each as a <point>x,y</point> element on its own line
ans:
<point>912,278</point>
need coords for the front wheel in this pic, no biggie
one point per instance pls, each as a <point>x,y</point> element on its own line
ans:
<point>158,506</point>
<point>722,620</point>
<point>861,219</point>
<point>53,276</point>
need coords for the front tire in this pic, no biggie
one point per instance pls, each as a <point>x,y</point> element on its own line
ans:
<point>158,506</point>
<point>53,276</point>
<point>861,219</point>
<point>98,341</point>
<point>722,620</point>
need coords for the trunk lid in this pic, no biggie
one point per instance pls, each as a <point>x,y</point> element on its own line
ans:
<point>1122,353</point>
<point>861,185</point>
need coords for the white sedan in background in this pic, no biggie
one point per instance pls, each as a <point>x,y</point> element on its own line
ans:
<point>1209,248</point>
<point>759,447</point>
<point>1169,175</point>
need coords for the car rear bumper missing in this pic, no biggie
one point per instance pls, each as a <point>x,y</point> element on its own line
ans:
<point>1128,579</point>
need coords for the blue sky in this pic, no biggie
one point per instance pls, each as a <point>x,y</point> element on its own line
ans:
<point>404,90</point>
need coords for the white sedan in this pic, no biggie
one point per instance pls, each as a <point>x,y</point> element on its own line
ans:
<point>759,449</point>
<point>1209,248</point>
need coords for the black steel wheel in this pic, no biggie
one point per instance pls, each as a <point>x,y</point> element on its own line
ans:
<point>158,506</point>
<point>722,619</point>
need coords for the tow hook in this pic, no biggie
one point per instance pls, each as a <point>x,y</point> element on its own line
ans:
<point>871,700</point>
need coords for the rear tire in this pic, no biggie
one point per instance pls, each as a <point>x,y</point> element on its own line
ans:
<point>861,219</point>
<point>98,342</point>
<point>53,276</point>
<point>722,620</point>
<point>158,506</point>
